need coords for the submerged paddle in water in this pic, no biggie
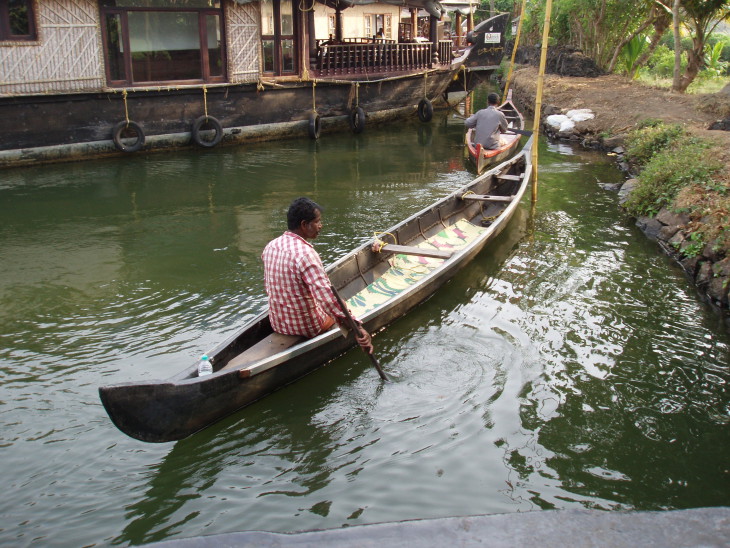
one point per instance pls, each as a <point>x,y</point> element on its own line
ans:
<point>352,324</point>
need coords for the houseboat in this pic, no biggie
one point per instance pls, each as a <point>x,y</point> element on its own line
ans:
<point>91,78</point>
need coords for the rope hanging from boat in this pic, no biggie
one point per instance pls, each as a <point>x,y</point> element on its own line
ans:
<point>314,96</point>
<point>379,244</point>
<point>425,81</point>
<point>205,102</point>
<point>357,94</point>
<point>126,110</point>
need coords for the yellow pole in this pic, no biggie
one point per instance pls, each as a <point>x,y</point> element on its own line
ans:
<point>538,96</point>
<point>514,51</point>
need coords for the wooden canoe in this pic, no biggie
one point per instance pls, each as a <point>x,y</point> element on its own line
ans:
<point>482,157</point>
<point>380,281</point>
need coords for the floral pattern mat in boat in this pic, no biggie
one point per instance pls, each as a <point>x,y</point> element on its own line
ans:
<point>406,270</point>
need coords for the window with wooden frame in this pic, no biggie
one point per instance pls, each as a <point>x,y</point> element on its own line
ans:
<point>17,20</point>
<point>160,41</point>
<point>278,37</point>
<point>378,24</point>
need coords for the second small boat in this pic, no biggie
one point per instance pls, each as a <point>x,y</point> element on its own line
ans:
<point>508,141</point>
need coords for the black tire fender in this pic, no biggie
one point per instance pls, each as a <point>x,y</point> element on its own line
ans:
<point>117,136</point>
<point>198,125</point>
<point>425,110</point>
<point>315,126</point>
<point>357,120</point>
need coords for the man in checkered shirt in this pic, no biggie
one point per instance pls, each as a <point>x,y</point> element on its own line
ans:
<point>300,299</point>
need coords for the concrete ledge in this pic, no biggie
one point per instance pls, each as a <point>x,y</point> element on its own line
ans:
<point>705,527</point>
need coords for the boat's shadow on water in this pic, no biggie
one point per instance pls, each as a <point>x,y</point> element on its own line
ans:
<point>294,431</point>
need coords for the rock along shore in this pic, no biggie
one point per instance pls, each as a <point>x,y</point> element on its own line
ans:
<point>598,113</point>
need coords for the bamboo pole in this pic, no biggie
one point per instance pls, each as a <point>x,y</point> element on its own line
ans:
<point>514,51</point>
<point>538,96</point>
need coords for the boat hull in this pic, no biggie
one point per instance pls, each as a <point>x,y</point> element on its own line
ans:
<point>67,127</point>
<point>168,410</point>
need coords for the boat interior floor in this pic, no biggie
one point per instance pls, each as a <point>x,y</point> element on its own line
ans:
<point>406,269</point>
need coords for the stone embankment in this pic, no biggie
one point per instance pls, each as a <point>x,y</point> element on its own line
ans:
<point>598,113</point>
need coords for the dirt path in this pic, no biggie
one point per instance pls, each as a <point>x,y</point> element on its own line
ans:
<point>618,103</point>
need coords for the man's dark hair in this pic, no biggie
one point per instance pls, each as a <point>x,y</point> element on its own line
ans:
<point>301,209</point>
<point>493,99</point>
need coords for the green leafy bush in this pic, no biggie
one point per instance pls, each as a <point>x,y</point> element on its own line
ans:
<point>650,138</point>
<point>661,63</point>
<point>631,52</point>
<point>714,65</point>
<point>668,171</point>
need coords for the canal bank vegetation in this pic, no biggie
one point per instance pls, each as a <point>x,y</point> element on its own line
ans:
<point>681,197</point>
<point>684,174</point>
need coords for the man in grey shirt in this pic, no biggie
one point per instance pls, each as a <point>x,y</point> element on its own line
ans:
<point>488,123</point>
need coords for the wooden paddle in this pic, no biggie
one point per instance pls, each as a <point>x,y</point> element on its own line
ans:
<point>352,324</point>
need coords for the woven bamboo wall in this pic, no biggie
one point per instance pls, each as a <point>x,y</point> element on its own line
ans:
<point>66,58</point>
<point>242,29</point>
<point>68,55</point>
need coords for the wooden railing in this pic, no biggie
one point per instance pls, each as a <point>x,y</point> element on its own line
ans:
<point>445,49</point>
<point>379,57</point>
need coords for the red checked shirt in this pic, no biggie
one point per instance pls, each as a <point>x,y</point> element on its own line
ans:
<point>300,298</point>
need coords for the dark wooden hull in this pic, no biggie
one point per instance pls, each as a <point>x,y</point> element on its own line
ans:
<point>245,112</point>
<point>483,158</point>
<point>167,410</point>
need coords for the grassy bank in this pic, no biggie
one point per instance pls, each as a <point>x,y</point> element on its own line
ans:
<point>685,174</point>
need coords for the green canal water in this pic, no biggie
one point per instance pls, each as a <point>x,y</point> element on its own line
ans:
<point>571,365</point>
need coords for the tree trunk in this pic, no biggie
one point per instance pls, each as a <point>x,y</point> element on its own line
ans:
<point>695,62</point>
<point>492,9</point>
<point>620,46</point>
<point>661,24</point>
<point>677,47</point>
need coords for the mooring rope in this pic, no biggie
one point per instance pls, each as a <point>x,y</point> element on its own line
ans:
<point>205,102</point>
<point>126,109</point>
<point>314,96</point>
<point>381,242</point>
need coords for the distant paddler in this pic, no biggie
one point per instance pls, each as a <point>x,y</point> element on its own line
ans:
<point>488,123</point>
<point>301,301</point>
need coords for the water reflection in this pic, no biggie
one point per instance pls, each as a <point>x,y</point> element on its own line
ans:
<point>626,401</point>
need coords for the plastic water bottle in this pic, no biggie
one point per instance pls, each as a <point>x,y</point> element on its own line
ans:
<point>204,367</point>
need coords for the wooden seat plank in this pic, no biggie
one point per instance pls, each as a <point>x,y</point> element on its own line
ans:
<point>487,198</point>
<point>273,344</point>
<point>507,177</point>
<point>419,251</point>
